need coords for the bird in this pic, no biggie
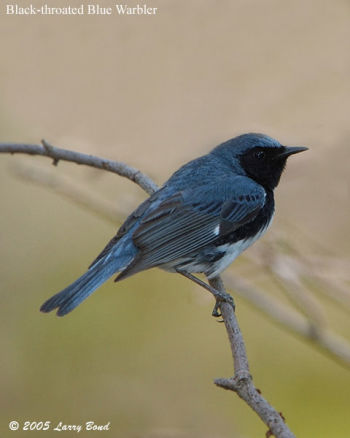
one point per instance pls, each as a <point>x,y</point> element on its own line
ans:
<point>201,219</point>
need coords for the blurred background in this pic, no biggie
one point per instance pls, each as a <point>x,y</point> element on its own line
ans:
<point>156,91</point>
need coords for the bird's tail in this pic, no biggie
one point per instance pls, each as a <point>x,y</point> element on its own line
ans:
<point>70,297</point>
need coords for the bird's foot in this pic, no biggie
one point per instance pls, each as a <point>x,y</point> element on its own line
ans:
<point>222,297</point>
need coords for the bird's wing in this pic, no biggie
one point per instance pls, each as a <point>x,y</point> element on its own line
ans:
<point>127,225</point>
<point>193,218</point>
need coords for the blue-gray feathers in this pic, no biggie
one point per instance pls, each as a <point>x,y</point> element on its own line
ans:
<point>100,271</point>
<point>209,211</point>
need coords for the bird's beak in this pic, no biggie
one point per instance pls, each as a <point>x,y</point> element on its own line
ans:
<point>290,150</point>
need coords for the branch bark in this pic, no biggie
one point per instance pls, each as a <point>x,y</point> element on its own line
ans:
<point>241,382</point>
<point>58,154</point>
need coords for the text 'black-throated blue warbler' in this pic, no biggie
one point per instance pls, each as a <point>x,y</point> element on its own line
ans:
<point>203,217</point>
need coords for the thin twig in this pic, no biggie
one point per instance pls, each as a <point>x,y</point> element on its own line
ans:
<point>286,272</point>
<point>57,154</point>
<point>326,271</point>
<point>330,343</point>
<point>70,189</point>
<point>242,382</point>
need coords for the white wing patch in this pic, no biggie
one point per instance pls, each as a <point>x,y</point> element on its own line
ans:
<point>217,230</point>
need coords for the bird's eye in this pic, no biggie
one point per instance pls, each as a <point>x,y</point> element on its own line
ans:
<point>260,155</point>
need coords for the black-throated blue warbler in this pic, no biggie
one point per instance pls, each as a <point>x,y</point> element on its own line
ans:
<point>199,221</point>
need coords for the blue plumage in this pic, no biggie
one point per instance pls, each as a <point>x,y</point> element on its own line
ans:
<point>203,217</point>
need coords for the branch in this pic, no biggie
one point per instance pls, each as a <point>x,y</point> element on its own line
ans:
<point>70,189</point>
<point>242,382</point>
<point>286,272</point>
<point>57,154</point>
<point>327,341</point>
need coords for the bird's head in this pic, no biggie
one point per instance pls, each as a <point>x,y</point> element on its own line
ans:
<point>258,156</point>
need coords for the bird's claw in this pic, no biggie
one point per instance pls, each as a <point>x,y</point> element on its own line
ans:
<point>215,311</point>
<point>222,298</point>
